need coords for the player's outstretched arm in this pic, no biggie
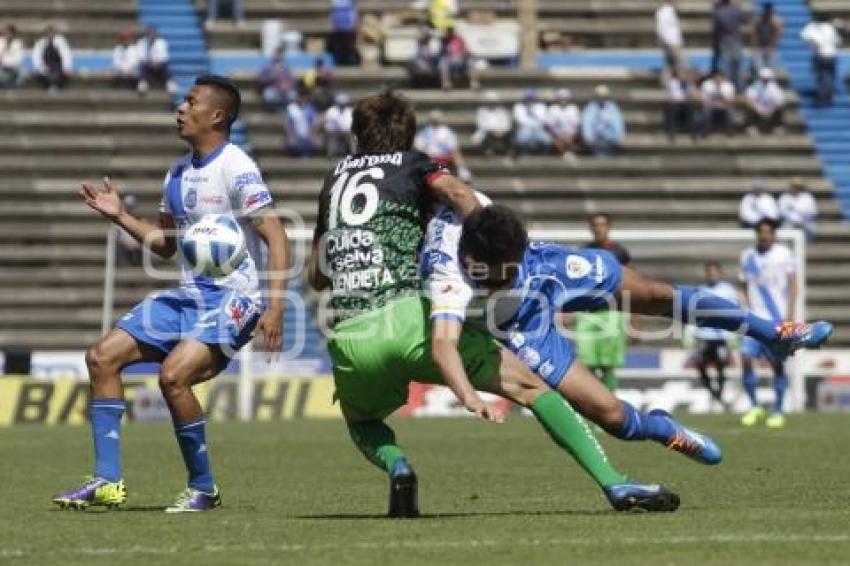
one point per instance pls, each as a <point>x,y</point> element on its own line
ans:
<point>444,350</point>
<point>455,193</point>
<point>270,229</point>
<point>107,201</point>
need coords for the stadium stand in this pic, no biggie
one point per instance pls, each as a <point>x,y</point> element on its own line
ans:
<point>52,246</point>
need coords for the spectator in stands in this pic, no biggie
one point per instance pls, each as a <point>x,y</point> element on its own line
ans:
<point>718,100</point>
<point>440,143</point>
<point>531,133</point>
<point>729,20</point>
<point>564,123</point>
<point>337,126</point>
<point>456,60</point>
<point>52,60</point>
<point>757,205</point>
<point>277,83</point>
<point>422,69</point>
<point>766,33</point>
<point>441,14</point>
<point>320,82</point>
<point>11,58</point>
<point>797,208</point>
<point>680,110</point>
<point>668,32</point>
<point>603,130</point>
<point>153,55</point>
<point>342,41</point>
<point>825,40</point>
<point>764,101</point>
<point>236,12</point>
<point>125,61</point>
<point>301,125</point>
<point>492,126</point>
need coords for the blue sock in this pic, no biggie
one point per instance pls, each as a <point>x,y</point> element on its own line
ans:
<point>750,382</point>
<point>780,386</point>
<point>193,444</point>
<point>701,308</point>
<point>106,433</point>
<point>641,426</point>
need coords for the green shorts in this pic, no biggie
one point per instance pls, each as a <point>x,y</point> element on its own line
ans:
<point>376,355</point>
<point>602,339</point>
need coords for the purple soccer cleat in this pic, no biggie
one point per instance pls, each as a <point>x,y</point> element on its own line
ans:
<point>193,501</point>
<point>95,491</point>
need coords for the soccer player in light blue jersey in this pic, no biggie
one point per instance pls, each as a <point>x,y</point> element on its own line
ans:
<point>192,330</point>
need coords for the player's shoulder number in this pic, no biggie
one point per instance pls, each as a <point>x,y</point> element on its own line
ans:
<point>347,188</point>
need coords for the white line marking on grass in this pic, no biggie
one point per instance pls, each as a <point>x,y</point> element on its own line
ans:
<point>437,544</point>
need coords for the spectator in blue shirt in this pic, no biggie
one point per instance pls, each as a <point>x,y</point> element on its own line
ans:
<point>602,128</point>
<point>235,11</point>
<point>342,40</point>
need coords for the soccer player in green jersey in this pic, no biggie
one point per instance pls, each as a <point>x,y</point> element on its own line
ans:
<point>372,212</point>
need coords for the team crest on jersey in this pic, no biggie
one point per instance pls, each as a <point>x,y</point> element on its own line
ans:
<point>241,310</point>
<point>191,199</point>
<point>577,267</point>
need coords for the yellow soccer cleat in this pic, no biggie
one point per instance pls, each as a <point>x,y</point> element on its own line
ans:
<point>776,420</point>
<point>95,491</point>
<point>753,416</point>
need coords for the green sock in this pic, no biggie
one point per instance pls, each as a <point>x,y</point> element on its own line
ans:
<point>570,432</point>
<point>609,379</point>
<point>377,442</point>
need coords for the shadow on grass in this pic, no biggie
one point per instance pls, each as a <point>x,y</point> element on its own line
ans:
<point>461,515</point>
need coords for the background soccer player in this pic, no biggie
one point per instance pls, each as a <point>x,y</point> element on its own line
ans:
<point>712,348</point>
<point>768,276</point>
<point>192,330</point>
<point>602,334</point>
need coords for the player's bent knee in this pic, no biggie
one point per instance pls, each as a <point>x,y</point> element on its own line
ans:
<point>171,380</point>
<point>100,361</point>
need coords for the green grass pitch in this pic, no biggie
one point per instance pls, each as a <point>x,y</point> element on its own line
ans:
<point>298,493</point>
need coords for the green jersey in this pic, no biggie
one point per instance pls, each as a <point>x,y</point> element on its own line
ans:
<point>371,220</point>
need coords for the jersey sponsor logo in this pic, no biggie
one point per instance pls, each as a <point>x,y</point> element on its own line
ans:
<point>191,199</point>
<point>368,161</point>
<point>258,198</point>
<point>246,180</point>
<point>529,356</point>
<point>577,267</point>
<point>214,200</point>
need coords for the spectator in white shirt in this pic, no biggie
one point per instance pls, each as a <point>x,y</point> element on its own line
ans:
<point>718,98</point>
<point>492,126</point>
<point>679,108</point>
<point>440,143</point>
<point>11,58</point>
<point>757,205</point>
<point>531,134</point>
<point>764,101</point>
<point>153,62</point>
<point>52,60</point>
<point>564,123</point>
<point>337,126</point>
<point>301,124</point>
<point>825,40</point>
<point>797,208</point>
<point>668,32</point>
<point>125,62</point>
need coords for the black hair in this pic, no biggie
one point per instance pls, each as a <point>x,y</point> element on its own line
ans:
<point>713,263</point>
<point>228,94</point>
<point>772,224</point>
<point>494,234</point>
<point>595,215</point>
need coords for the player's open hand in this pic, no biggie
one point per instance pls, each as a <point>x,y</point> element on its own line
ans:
<point>270,327</point>
<point>104,200</point>
<point>484,410</point>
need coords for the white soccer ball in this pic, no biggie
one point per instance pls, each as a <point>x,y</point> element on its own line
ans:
<point>214,246</point>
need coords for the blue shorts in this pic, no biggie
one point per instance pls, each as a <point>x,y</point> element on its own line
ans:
<point>548,353</point>
<point>220,316</point>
